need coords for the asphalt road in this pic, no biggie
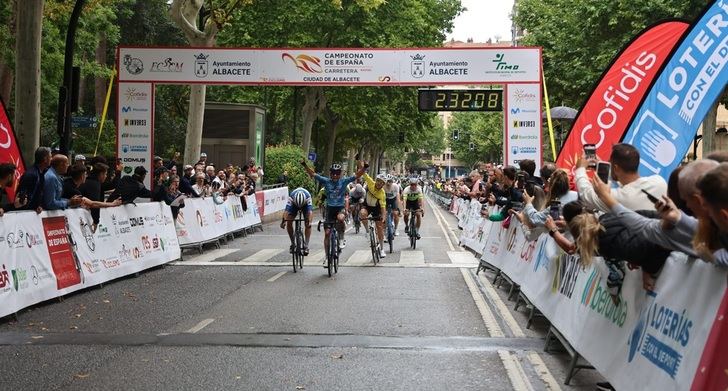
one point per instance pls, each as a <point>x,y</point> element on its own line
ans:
<point>237,317</point>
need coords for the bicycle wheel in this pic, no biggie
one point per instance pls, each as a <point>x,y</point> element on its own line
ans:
<point>413,233</point>
<point>373,245</point>
<point>332,251</point>
<point>300,242</point>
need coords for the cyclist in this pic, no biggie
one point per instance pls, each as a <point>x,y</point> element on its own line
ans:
<point>414,200</point>
<point>299,200</point>
<point>356,196</point>
<point>335,187</point>
<point>374,207</point>
<point>392,190</point>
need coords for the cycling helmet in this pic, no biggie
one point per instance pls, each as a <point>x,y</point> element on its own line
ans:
<point>335,167</point>
<point>299,200</point>
<point>382,177</point>
<point>413,181</point>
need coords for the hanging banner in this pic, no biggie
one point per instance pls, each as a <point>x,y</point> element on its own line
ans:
<point>603,119</point>
<point>687,87</point>
<point>522,117</point>
<point>63,260</point>
<point>135,128</point>
<point>9,149</point>
<point>315,66</point>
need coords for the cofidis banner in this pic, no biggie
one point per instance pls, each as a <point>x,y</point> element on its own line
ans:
<point>685,90</point>
<point>603,120</point>
<point>9,149</point>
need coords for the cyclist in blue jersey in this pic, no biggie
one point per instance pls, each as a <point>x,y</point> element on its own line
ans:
<point>335,195</point>
<point>298,201</point>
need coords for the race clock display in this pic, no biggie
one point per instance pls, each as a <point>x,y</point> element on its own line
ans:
<point>460,100</point>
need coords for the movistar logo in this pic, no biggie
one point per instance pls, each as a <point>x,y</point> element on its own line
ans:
<point>126,109</point>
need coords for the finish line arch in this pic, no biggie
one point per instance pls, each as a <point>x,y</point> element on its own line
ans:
<point>141,68</point>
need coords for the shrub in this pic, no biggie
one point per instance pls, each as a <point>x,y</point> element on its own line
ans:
<point>286,157</point>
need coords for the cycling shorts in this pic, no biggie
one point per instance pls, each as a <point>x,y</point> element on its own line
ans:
<point>413,205</point>
<point>332,212</point>
<point>354,200</point>
<point>375,212</point>
<point>392,204</point>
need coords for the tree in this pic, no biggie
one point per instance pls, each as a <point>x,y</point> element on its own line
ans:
<point>27,75</point>
<point>482,131</point>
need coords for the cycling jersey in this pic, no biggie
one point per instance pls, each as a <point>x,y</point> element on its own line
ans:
<point>412,197</point>
<point>357,192</point>
<point>392,190</point>
<point>374,197</point>
<point>335,191</point>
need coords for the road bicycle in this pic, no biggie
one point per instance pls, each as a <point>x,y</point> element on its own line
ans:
<point>333,250</point>
<point>299,242</point>
<point>376,257</point>
<point>390,229</point>
<point>412,228</point>
<point>356,218</point>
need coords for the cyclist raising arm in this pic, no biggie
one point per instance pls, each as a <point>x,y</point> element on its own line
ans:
<point>414,200</point>
<point>375,203</point>
<point>335,196</point>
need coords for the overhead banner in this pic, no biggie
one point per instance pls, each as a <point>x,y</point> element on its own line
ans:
<point>650,340</point>
<point>9,149</point>
<point>603,119</point>
<point>690,83</point>
<point>354,66</point>
<point>135,128</point>
<point>522,117</point>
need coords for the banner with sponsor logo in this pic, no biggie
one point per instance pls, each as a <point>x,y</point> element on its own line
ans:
<point>135,128</point>
<point>205,219</point>
<point>603,119</point>
<point>275,200</point>
<point>9,149</point>
<point>522,136</point>
<point>54,253</point>
<point>649,339</point>
<point>686,89</point>
<point>355,66</point>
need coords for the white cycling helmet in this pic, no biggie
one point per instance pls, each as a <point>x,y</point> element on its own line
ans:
<point>300,200</point>
<point>413,181</point>
<point>382,177</point>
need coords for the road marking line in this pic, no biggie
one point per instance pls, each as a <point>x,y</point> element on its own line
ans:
<point>543,371</point>
<point>501,307</point>
<point>444,231</point>
<point>360,257</point>
<point>277,276</point>
<point>211,255</point>
<point>200,326</point>
<point>411,257</point>
<point>515,372</point>
<point>316,258</point>
<point>433,265</point>
<point>494,329</point>
<point>462,258</point>
<point>262,255</point>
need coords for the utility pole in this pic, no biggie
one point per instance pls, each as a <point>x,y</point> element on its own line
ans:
<point>66,91</point>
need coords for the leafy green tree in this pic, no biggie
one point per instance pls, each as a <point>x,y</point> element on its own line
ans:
<point>287,157</point>
<point>480,137</point>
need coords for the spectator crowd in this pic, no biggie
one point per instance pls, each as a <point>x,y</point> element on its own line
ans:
<point>628,221</point>
<point>54,183</point>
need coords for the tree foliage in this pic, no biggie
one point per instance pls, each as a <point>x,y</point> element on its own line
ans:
<point>287,157</point>
<point>481,131</point>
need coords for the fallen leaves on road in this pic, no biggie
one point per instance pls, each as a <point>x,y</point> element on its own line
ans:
<point>36,337</point>
<point>300,387</point>
<point>105,301</point>
<point>73,327</point>
<point>337,356</point>
<point>81,375</point>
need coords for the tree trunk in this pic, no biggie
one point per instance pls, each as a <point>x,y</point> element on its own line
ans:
<point>195,116</point>
<point>27,75</point>
<point>100,83</point>
<point>332,123</point>
<point>315,102</point>
<point>709,126</point>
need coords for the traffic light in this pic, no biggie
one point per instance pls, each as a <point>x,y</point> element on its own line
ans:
<point>456,134</point>
<point>472,146</point>
<point>401,137</point>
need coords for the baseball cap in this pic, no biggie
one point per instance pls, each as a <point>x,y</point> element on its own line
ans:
<point>203,154</point>
<point>188,167</point>
<point>140,170</point>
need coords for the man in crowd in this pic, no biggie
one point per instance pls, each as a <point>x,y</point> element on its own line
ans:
<point>76,177</point>
<point>185,183</point>
<point>625,161</point>
<point>32,182</point>
<point>131,187</point>
<point>529,166</point>
<point>53,188</point>
<point>714,188</point>
<point>203,159</point>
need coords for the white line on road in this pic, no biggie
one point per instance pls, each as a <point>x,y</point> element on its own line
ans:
<point>211,255</point>
<point>463,258</point>
<point>262,255</point>
<point>360,257</point>
<point>501,307</point>
<point>494,329</point>
<point>316,258</point>
<point>430,265</point>
<point>412,257</point>
<point>200,326</point>
<point>277,276</point>
<point>543,371</point>
<point>433,207</point>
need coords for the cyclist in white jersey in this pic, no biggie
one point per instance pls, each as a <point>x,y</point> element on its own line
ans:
<point>392,190</point>
<point>415,200</point>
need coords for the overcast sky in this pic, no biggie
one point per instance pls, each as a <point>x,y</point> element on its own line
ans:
<point>483,19</point>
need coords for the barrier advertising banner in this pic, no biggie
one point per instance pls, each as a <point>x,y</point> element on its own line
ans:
<point>54,253</point>
<point>353,66</point>
<point>690,83</point>
<point>603,119</point>
<point>205,219</point>
<point>649,340</point>
<point>9,149</point>
<point>522,116</point>
<point>135,128</point>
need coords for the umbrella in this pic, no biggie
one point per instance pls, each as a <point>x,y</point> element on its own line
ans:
<point>562,112</point>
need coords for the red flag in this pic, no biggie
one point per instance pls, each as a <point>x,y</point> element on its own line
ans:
<point>712,372</point>
<point>9,149</point>
<point>604,118</point>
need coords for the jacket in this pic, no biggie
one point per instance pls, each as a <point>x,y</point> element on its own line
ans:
<point>129,189</point>
<point>31,185</point>
<point>619,242</point>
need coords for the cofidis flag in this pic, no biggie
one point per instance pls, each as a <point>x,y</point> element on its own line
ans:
<point>692,80</point>
<point>603,120</point>
<point>9,149</point>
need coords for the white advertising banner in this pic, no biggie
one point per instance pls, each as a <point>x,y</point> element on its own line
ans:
<point>649,340</point>
<point>275,200</point>
<point>355,66</point>
<point>54,253</point>
<point>134,127</point>
<point>522,117</point>
<point>205,219</point>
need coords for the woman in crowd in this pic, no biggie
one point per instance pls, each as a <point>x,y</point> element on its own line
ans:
<point>7,180</point>
<point>712,236</point>
<point>535,213</point>
<point>200,187</point>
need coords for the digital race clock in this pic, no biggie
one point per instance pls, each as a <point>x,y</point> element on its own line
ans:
<point>460,100</point>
